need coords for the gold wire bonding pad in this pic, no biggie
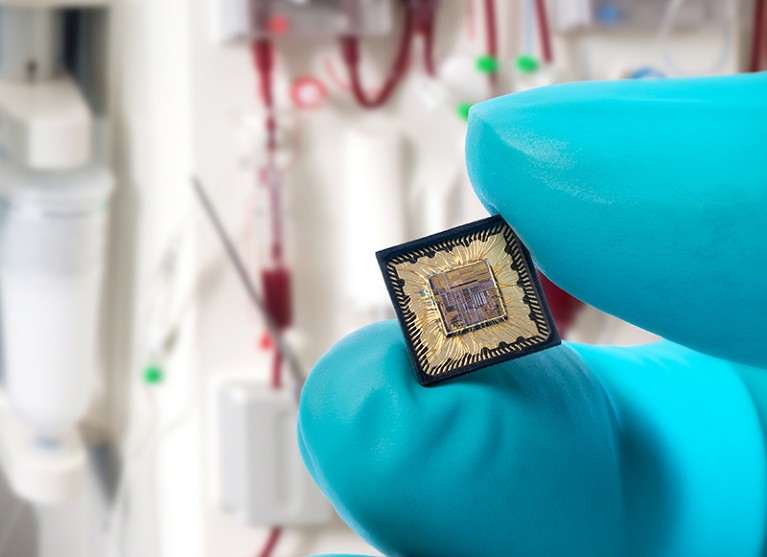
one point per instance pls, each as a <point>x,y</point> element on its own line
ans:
<point>467,298</point>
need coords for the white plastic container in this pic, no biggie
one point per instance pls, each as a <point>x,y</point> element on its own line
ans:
<point>261,478</point>
<point>51,268</point>
<point>372,175</point>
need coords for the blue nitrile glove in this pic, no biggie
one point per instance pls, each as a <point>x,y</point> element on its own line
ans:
<point>647,199</point>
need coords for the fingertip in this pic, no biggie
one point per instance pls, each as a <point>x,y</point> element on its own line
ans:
<point>629,192</point>
<point>516,145</point>
<point>368,359</point>
<point>352,399</point>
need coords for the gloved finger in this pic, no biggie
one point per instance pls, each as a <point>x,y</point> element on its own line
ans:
<point>518,459</point>
<point>533,457</point>
<point>645,198</point>
<point>692,448</point>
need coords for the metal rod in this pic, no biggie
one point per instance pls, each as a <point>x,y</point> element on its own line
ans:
<point>282,346</point>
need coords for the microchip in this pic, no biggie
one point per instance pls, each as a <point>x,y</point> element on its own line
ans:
<point>467,298</point>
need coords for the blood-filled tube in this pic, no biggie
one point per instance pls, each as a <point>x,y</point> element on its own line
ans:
<point>275,276</point>
<point>350,53</point>
<point>543,31</point>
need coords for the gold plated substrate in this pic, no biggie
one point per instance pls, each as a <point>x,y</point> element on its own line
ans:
<point>521,325</point>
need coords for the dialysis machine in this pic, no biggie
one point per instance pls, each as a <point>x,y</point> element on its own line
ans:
<point>140,386</point>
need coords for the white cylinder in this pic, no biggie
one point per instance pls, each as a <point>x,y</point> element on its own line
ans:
<point>374,209</point>
<point>53,244</point>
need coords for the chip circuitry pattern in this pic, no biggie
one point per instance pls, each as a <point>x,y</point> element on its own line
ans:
<point>467,298</point>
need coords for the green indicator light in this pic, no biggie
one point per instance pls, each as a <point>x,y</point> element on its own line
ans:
<point>487,64</point>
<point>153,375</point>
<point>527,64</point>
<point>463,110</point>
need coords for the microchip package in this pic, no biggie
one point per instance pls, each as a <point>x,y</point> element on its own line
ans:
<point>467,298</point>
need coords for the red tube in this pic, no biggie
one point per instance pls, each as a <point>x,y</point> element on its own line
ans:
<point>757,44</point>
<point>261,49</point>
<point>471,27</point>
<point>428,48</point>
<point>263,60</point>
<point>271,542</point>
<point>425,12</point>
<point>275,278</point>
<point>271,180</point>
<point>564,307</point>
<point>276,286</point>
<point>277,370</point>
<point>491,32</point>
<point>350,54</point>
<point>543,30</point>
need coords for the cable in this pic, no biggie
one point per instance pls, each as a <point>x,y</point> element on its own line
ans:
<point>491,32</point>
<point>145,448</point>
<point>757,44</point>
<point>161,324</point>
<point>114,521</point>
<point>115,518</point>
<point>10,525</point>
<point>351,56</point>
<point>277,370</point>
<point>673,7</point>
<point>271,542</point>
<point>543,31</point>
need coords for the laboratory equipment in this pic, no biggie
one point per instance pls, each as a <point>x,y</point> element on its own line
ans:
<point>275,275</point>
<point>53,248</point>
<point>54,193</point>
<point>261,479</point>
<point>418,19</point>
<point>623,15</point>
<point>351,56</point>
<point>273,326</point>
<point>53,245</point>
<point>46,122</point>
<point>349,170</point>
<point>246,20</point>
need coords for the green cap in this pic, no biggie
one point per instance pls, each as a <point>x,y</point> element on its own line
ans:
<point>487,64</point>
<point>463,110</point>
<point>527,63</point>
<point>153,375</point>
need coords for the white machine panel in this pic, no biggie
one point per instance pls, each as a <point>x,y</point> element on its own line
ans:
<point>635,15</point>
<point>262,480</point>
<point>242,19</point>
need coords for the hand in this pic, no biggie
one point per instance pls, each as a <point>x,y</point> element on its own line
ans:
<point>647,199</point>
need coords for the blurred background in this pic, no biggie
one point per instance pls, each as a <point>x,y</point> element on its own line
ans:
<point>149,382</point>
